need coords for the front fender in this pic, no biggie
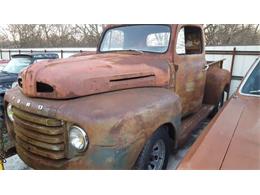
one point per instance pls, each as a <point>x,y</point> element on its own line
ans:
<point>118,118</point>
<point>123,120</point>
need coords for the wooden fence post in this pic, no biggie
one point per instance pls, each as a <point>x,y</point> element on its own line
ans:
<point>232,66</point>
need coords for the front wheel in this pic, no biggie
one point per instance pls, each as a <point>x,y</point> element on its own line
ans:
<point>155,153</point>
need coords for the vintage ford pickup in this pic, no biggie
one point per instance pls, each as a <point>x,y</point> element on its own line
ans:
<point>231,142</point>
<point>124,107</point>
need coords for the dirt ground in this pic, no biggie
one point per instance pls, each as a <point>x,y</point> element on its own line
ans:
<point>15,163</point>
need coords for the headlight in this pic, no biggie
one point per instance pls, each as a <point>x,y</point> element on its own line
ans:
<point>14,84</point>
<point>10,113</point>
<point>78,138</point>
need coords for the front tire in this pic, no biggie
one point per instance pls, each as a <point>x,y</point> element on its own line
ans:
<point>155,153</point>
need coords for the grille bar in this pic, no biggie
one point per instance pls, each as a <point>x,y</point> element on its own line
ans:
<point>52,139</point>
<point>36,118</point>
<point>38,162</point>
<point>38,128</point>
<point>37,150</point>
<point>55,147</point>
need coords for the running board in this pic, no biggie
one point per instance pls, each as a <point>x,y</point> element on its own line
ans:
<point>190,123</point>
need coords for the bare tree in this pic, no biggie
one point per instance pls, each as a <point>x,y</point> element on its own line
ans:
<point>54,35</point>
<point>25,35</point>
<point>87,35</point>
<point>232,34</point>
<point>4,40</point>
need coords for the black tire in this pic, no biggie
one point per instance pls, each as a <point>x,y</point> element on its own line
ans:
<point>217,107</point>
<point>148,157</point>
<point>214,111</point>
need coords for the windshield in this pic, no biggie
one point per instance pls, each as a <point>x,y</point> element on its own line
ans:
<point>144,38</point>
<point>17,64</point>
<point>252,84</point>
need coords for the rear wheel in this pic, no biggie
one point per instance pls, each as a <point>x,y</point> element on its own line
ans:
<point>217,106</point>
<point>155,153</point>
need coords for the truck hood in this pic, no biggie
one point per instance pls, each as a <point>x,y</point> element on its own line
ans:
<point>86,75</point>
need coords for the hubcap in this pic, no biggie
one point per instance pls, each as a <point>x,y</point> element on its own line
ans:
<point>157,156</point>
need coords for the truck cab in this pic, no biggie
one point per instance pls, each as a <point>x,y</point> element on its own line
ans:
<point>124,107</point>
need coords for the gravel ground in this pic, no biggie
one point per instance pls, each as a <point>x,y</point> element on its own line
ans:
<point>175,159</point>
<point>15,163</point>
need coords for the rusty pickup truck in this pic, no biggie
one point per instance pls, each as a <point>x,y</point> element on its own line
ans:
<point>124,107</point>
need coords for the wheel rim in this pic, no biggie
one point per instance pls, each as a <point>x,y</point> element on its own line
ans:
<point>157,156</point>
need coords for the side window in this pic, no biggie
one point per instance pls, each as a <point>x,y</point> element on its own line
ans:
<point>189,41</point>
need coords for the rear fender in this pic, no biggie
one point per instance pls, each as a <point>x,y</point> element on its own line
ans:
<point>218,80</point>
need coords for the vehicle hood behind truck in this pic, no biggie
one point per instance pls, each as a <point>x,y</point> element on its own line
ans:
<point>6,81</point>
<point>229,142</point>
<point>7,77</point>
<point>81,76</point>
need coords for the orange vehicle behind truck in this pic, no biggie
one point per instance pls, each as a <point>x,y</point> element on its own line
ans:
<point>232,139</point>
<point>124,107</point>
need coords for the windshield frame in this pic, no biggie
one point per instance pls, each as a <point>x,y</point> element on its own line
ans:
<point>125,25</point>
<point>257,61</point>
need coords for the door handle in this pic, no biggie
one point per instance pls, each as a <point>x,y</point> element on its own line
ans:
<point>206,67</point>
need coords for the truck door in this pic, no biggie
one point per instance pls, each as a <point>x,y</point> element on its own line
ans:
<point>190,63</point>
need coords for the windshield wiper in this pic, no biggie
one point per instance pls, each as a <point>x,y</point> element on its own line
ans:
<point>255,91</point>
